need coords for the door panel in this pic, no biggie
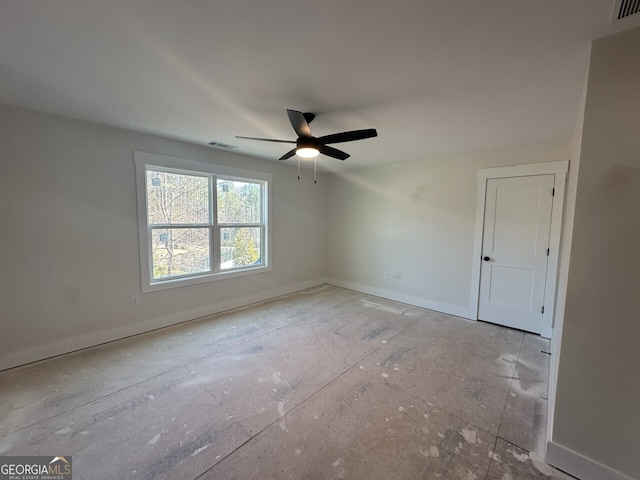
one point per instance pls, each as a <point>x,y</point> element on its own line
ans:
<point>503,281</point>
<point>515,219</point>
<point>515,250</point>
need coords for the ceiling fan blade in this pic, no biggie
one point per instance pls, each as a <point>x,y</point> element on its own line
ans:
<point>266,139</point>
<point>299,123</point>
<point>333,152</point>
<point>289,154</point>
<point>349,136</point>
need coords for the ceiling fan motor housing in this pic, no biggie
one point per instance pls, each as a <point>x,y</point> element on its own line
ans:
<point>307,142</point>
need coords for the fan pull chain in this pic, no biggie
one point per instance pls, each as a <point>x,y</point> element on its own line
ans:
<point>298,168</point>
<point>314,170</point>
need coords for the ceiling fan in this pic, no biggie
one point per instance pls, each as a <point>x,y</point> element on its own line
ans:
<point>308,146</point>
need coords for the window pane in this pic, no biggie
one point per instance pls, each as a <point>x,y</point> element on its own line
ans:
<point>240,247</point>
<point>239,202</point>
<point>174,198</point>
<point>179,251</point>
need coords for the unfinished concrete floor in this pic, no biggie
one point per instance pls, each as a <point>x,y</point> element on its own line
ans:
<point>325,383</point>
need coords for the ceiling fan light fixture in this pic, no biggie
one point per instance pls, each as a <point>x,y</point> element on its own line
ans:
<point>307,152</point>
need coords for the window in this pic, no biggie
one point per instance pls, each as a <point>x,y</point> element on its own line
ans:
<point>199,222</point>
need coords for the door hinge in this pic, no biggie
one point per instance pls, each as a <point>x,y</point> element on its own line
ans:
<point>543,309</point>
<point>547,252</point>
<point>553,192</point>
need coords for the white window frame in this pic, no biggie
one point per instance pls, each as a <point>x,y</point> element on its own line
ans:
<point>144,161</point>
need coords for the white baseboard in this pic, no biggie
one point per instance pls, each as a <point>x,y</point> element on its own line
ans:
<point>449,309</point>
<point>580,466</point>
<point>92,339</point>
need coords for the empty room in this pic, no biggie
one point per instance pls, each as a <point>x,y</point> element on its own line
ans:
<point>312,240</point>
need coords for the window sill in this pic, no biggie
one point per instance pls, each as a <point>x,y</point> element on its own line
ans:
<point>211,277</point>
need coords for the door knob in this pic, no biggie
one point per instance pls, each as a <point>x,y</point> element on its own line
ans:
<point>486,259</point>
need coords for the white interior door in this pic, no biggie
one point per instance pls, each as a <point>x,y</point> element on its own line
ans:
<point>515,251</point>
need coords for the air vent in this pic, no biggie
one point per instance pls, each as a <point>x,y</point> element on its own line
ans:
<point>627,8</point>
<point>225,146</point>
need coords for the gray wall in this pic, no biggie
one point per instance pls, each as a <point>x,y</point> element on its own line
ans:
<point>69,255</point>
<point>597,413</point>
<point>415,221</point>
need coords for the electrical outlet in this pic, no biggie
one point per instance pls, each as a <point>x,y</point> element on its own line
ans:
<point>385,275</point>
<point>135,300</point>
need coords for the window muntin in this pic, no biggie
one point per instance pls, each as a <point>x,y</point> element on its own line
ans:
<point>200,222</point>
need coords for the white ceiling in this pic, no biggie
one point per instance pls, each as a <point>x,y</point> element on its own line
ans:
<point>434,77</point>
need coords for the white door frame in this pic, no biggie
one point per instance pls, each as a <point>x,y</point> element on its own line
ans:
<point>559,169</point>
